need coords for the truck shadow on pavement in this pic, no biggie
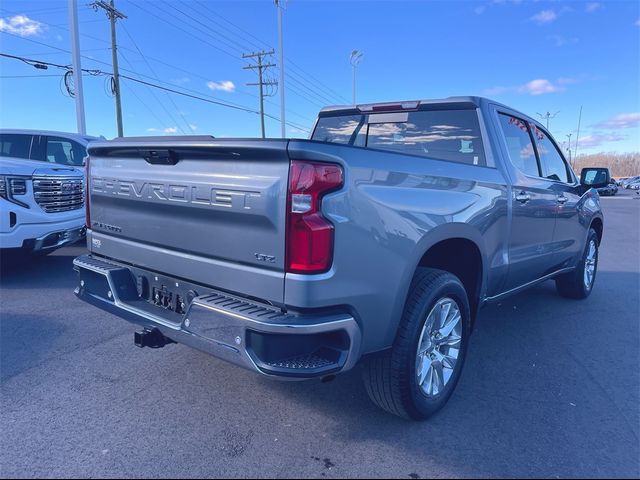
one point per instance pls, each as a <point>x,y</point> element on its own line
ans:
<point>531,376</point>
<point>17,269</point>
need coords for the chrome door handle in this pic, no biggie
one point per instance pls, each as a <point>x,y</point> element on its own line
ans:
<point>562,199</point>
<point>523,197</point>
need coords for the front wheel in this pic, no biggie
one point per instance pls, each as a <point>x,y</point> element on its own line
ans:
<point>579,283</point>
<point>418,375</point>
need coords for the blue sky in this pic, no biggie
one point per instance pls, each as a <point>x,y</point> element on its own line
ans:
<point>536,56</point>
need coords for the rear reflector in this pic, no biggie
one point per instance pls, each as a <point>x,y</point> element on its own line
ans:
<point>309,241</point>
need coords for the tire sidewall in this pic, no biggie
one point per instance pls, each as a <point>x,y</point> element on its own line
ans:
<point>583,262</point>
<point>420,405</point>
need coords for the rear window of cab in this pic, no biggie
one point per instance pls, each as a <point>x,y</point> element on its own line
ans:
<point>452,135</point>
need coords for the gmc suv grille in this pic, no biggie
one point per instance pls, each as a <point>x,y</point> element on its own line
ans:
<point>58,194</point>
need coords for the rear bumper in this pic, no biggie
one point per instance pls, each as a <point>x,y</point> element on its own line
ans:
<point>249,334</point>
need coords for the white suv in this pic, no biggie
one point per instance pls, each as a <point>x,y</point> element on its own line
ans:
<point>41,189</point>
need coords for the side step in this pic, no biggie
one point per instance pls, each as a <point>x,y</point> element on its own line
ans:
<point>151,338</point>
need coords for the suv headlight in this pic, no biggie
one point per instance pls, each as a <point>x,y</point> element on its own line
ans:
<point>12,187</point>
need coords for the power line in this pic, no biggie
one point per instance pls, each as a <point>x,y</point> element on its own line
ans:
<point>143,82</point>
<point>60,51</point>
<point>158,102</point>
<point>156,75</point>
<point>262,44</point>
<point>226,40</point>
<point>183,30</point>
<point>145,105</point>
<point>31,76</point>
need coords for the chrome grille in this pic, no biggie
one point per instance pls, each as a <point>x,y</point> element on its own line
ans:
<point>58,194</point>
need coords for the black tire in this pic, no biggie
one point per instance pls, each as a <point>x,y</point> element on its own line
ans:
<point>391,379</point>
<point>572,284</point>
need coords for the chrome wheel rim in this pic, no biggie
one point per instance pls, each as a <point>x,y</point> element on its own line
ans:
<point>439,347</point>
<point>590,264</point>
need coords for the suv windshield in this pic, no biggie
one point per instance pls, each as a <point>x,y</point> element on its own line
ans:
<point>452,135</point>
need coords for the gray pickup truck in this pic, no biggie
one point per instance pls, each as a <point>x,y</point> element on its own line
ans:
<point>376,241</point>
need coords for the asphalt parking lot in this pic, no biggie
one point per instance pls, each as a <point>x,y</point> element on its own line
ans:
<point>551,389</point>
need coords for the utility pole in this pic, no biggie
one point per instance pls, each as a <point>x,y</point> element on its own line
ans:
<point>77,68</point>
<point>547,116</point>
<point>261,67</point>
<point>355,59</point>
<point>113,14</point>
<point>280,6</point>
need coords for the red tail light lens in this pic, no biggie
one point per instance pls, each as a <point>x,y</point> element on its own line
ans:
<point>87,176</point>
<point>309,234</point>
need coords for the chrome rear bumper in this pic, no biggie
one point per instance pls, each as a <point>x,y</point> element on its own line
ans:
<point>256,336</point>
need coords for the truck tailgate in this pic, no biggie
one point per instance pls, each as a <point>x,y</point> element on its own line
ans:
<point>203,209</point>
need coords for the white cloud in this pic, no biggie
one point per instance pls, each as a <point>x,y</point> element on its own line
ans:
<point>224,85</point>
<point>59,38</point>
<point>480,10</point>
<point>539,87</point>
<point>622,120</point>
<point>181,81</point>
<point>597,139</point>
<point>193,127</point>
<point>534,87</point>
<point>592,7</point>
<point>163,130</point>
<point>561,41</point>
<point>544,17</point>
<point>21,25</point>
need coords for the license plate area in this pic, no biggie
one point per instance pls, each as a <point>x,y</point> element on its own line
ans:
<point>164,292</point>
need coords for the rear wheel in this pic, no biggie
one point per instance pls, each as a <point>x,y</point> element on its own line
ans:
<point>579,283</point>
<point>418,375</point>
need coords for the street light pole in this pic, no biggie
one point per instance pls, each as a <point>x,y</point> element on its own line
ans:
<point>280,7</point>
<point>569,147</point>
<point>356,58</point>
<point>77,68</point>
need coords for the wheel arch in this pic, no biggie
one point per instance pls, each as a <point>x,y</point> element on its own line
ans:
<point>448,247</point>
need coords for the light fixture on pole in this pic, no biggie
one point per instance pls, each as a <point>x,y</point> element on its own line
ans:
<point>356,58</point>
<point>569,147</point>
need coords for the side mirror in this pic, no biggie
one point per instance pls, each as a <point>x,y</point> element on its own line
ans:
<point>595,177</point>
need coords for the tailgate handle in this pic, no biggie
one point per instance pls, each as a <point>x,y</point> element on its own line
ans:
<point>160,156</point>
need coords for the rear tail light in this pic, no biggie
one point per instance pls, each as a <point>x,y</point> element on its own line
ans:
<point>310,235</point>
<point>87,176</point>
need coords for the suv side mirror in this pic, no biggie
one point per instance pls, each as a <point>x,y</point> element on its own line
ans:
<point>595,177</point>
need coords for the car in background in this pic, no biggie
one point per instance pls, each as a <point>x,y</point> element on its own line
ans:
<point>45,146</point>
<point>633,185</point>
<point>609,190</point>
<point>41,205</point>
<point>628,181</point>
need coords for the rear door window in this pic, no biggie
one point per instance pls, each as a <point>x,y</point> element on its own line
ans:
<point>551,161</point>
<point>519,144</point>
<point>15,144</point>
<point>64,151</point>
